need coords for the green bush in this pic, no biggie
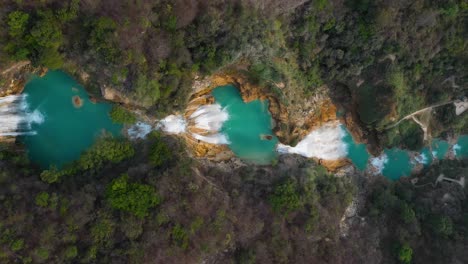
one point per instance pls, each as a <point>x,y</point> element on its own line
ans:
<point>71,252</point>
<point>121,115</point>
<point>42,199</point>
<point>405,254</point>
<point>180,236</point>
<point>42,254</point>
<point>132,197</point>
<point>17,245</point>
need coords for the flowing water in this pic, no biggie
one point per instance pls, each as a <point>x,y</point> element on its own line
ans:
<point>325,143</point>
<point>397,164</point>
<point>439,148</point>
<point>16,117</point>
<point>71,122</point>
<point>57,122</point>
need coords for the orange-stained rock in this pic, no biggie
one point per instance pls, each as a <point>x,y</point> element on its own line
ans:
<point>334,165</point>
<point>15,76</point>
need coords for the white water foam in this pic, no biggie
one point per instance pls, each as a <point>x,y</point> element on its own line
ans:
<point>325,143</point>
<point>456,148</point>
<point>15,119</point>
<point>421,159</point>
<point>217,139</point>
<point>434,154</point>
<point>139,130</point>
<point>379,163</point>
<point>210,117</point>
<point>173,124</point>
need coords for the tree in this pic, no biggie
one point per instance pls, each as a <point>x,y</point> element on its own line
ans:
<point>405,254</point>
<point>17,23</point>
<point>442,225</point>
<point>132,197</point>
<point>159,153</point>
<point>407,213</point>
<point>285,198</point>
<point>102,39</point>
<point>121,115</point>
<point>106,149</point>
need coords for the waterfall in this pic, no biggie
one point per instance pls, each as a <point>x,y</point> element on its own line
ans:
<point>15,117</point>
<point>209,117</point>
<point>325,143</point>
<point>379,163</point>
<point>422,159</point>
<point>173,124</point>
<point>206,119</point>
<point>139,130</point>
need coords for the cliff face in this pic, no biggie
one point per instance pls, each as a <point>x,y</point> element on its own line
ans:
<point>14,77</point>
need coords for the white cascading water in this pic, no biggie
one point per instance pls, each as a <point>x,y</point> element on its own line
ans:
<point>456,148</point>
<point>139,130</point>
<point>325,143</point>
<point>208,118</point>
<point>15,118</point>
<point>379,163</point>
<point>173,124</point>
<point>421,158</point>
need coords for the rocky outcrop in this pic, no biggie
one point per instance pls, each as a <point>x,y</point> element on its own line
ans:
<point>15,76</point>
<point>115,95</point>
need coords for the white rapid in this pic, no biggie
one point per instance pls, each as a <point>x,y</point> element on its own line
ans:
<point>207,120</point>
<point>378,163</point>
<point>422,159</point>
<point>173,124</point>
<point>15,117</point>
<point>210,119</point>
<point>325,143</point>
<point>139,130</point>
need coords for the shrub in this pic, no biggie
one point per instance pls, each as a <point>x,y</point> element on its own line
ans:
<point>405,253</point>
<point>42,254</point>
<point>17,245</point>
<point>179,236</point>
<point>132,197</point>
<point>42,199</point>
<point>71,252</point>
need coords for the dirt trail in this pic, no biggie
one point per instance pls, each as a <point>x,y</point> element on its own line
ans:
<point>421,111</point>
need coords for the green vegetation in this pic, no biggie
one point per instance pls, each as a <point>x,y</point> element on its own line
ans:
<point>148,201</point>
<point>121,115</point>
<point>285,198</point>
<point>107,149</point>
<point>159,152</point>
<point>132,197</point>
<point>42,199</point>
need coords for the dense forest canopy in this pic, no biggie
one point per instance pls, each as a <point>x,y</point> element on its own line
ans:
<point>149,201</point>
